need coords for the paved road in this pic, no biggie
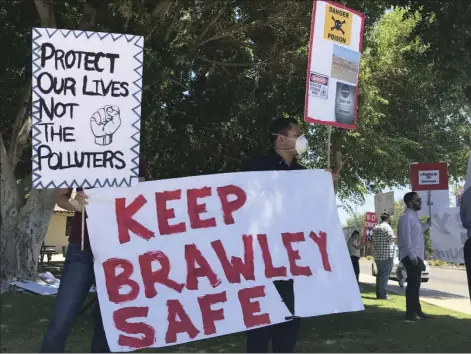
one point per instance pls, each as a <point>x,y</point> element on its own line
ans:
<point>446,281</point>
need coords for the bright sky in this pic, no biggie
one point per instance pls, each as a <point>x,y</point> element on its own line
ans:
<point>369,203</point>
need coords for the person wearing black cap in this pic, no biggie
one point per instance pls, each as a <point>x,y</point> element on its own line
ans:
<point>287,144</point>
<point>383,253</point>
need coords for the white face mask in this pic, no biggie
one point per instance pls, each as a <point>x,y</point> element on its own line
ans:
<point>301,144</point>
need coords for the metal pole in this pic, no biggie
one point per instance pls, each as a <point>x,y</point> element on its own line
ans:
<point>329,138</point>
<point>429,202</point>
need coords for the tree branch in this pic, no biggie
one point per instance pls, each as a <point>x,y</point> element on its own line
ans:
<point>239,28</point>
<point>213,21</point>
<point>10,202</point>
<point>467,10</point>
<point>22,143</point>
<point>14,152</point>
<point>177,83</point>
<point>88,17</point>
<point>225,64</point>
<point>168,31</point>
<point>46,13</point>
<point>161,8</point>
<point>25,186</point>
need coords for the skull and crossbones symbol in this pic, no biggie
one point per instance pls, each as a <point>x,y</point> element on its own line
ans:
<point>338,25</point>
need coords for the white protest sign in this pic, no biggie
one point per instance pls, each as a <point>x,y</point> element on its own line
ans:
<point>448,235</point>
<point>439,199</point>
<point>86,108</point>
<point>384,203</point>
<point>192,258</point>
<point>334,65</point>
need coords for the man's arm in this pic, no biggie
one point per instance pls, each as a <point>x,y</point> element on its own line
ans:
<point>253,165</point>
<point>63,200</point>
<point>389,235</point>
<point>426,225</point>
<point>465,210</point>
<point>357,244</point>
<point>404,236</point>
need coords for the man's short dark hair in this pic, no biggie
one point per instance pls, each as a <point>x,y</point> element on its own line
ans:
<point>409,197</point>
<point>385,216</point>
<point>280,126</point>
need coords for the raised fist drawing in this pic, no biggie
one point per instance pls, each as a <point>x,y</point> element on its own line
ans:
<point>104,123</point>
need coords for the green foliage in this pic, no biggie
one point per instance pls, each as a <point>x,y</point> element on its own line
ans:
<point>242,63</point>
<point>405,115</point>
<point>446,28</point>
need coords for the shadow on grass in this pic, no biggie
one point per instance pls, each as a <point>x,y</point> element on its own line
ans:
<point>380,328</point>
<point>434,294</point>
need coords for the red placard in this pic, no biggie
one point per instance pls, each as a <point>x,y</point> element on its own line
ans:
<point>429,176</point>
<point>370,222</point>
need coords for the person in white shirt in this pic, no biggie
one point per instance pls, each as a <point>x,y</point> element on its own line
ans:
<point>354,245</point>
<point>410,235</point>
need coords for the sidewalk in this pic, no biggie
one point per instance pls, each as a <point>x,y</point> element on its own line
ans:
<point>434,297</point>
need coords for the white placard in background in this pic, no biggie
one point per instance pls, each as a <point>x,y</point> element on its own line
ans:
<point>86,108</point>
<point>193,227</point>
<point>384,203</point>
<point>448,235</point>
<point>440,200</point>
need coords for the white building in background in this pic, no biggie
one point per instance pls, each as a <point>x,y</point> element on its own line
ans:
<point>59,229</point>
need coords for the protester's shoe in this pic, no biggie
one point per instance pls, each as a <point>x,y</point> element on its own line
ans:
<point>412,317</point>
<point>423,316</point>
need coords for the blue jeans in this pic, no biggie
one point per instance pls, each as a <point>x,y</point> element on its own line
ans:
<point>384,268</point>
<point>76,280</point>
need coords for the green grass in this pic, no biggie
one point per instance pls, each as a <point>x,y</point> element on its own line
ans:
<point>380,328</point>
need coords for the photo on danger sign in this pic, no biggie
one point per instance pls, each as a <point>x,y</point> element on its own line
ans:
<point>345,103</point>
<point>345,64</point>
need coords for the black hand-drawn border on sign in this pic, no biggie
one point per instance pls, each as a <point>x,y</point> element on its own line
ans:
<point>107,182</point>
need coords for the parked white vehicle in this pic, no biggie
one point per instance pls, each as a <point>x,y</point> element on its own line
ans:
<point>398,271</point>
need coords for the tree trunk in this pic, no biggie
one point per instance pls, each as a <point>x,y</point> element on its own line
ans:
<point>24,224</point>
<point>22,234</point>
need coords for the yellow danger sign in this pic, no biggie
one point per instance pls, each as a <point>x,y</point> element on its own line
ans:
<point>338,25</point>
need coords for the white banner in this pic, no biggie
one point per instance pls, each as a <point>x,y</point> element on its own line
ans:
<point>448,235</point>
<point>191,258</point>
<point>86,108</point>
